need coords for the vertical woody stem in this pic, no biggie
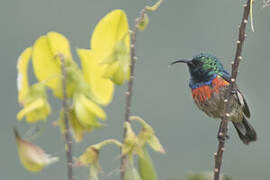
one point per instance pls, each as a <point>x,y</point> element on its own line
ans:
<point>67,135</point>
<point>130,83</point>
<point>223,128</point>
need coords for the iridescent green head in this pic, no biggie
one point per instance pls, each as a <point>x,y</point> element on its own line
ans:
<point>203,67</point>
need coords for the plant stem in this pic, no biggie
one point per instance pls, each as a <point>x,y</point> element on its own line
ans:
<point>130,83</point>
<point>223,128</point>
<point>67,135</point>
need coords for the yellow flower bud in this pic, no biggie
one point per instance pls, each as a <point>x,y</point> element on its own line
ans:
<point>154,7</point>
<point>143,23</point>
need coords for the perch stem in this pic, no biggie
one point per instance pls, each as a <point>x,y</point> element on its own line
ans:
<point>223,127</point>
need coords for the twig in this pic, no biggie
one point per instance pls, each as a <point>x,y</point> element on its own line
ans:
<point>67,135</point>
<point>130,82</point>
<point>223,128</point>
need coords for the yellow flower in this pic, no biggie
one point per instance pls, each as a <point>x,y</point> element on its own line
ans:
<point>101,88</point>
<point>46,61</point>
<point>111,45</point>
<point>22,78</point>
<point>32,98</point>
<point>32,157</point>
<point>118,64</point>
<point>87,111</point>
<point>77,129</point>
<point>36,106</point>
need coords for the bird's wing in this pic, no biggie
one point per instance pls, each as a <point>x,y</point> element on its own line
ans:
<point>239,96</point>
<point>243,103</point>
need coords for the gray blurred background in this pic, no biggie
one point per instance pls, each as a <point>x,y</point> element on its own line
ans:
<point>179,29</point>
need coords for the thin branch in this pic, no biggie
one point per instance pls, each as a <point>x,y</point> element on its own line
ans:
<point>223,128</point>
<point>67,134</point>
<point>130,82</point>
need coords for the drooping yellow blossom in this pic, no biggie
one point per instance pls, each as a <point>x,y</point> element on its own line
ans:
<point>87,111</point>
<point>111,44</point>
<point>147,135</point>
<point>32,157</point>
<point>36,106</point>
<point>101,88</point>
<point>90,158</point>
<point>22,78</point>
<point>33,98</point>
<point>131,142</point>
<point>46,61</point>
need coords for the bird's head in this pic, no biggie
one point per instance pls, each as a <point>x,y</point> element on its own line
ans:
<point>202,67</point>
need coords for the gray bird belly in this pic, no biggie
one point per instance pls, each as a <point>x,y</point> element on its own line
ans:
<point>214,106</point>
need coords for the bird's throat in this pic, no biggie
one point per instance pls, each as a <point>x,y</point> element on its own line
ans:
<point>196,83</point>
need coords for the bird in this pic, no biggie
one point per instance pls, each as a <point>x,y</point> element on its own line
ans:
<point>209,82</point>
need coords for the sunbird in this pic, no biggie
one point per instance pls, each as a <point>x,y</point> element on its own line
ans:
<point>208,83</point>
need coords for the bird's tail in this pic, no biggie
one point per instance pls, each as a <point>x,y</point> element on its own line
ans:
<point>245,131</point>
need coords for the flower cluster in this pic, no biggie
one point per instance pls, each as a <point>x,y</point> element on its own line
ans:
<point>89,88</point>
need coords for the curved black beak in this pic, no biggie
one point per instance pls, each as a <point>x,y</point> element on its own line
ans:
<point>180,61</point>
